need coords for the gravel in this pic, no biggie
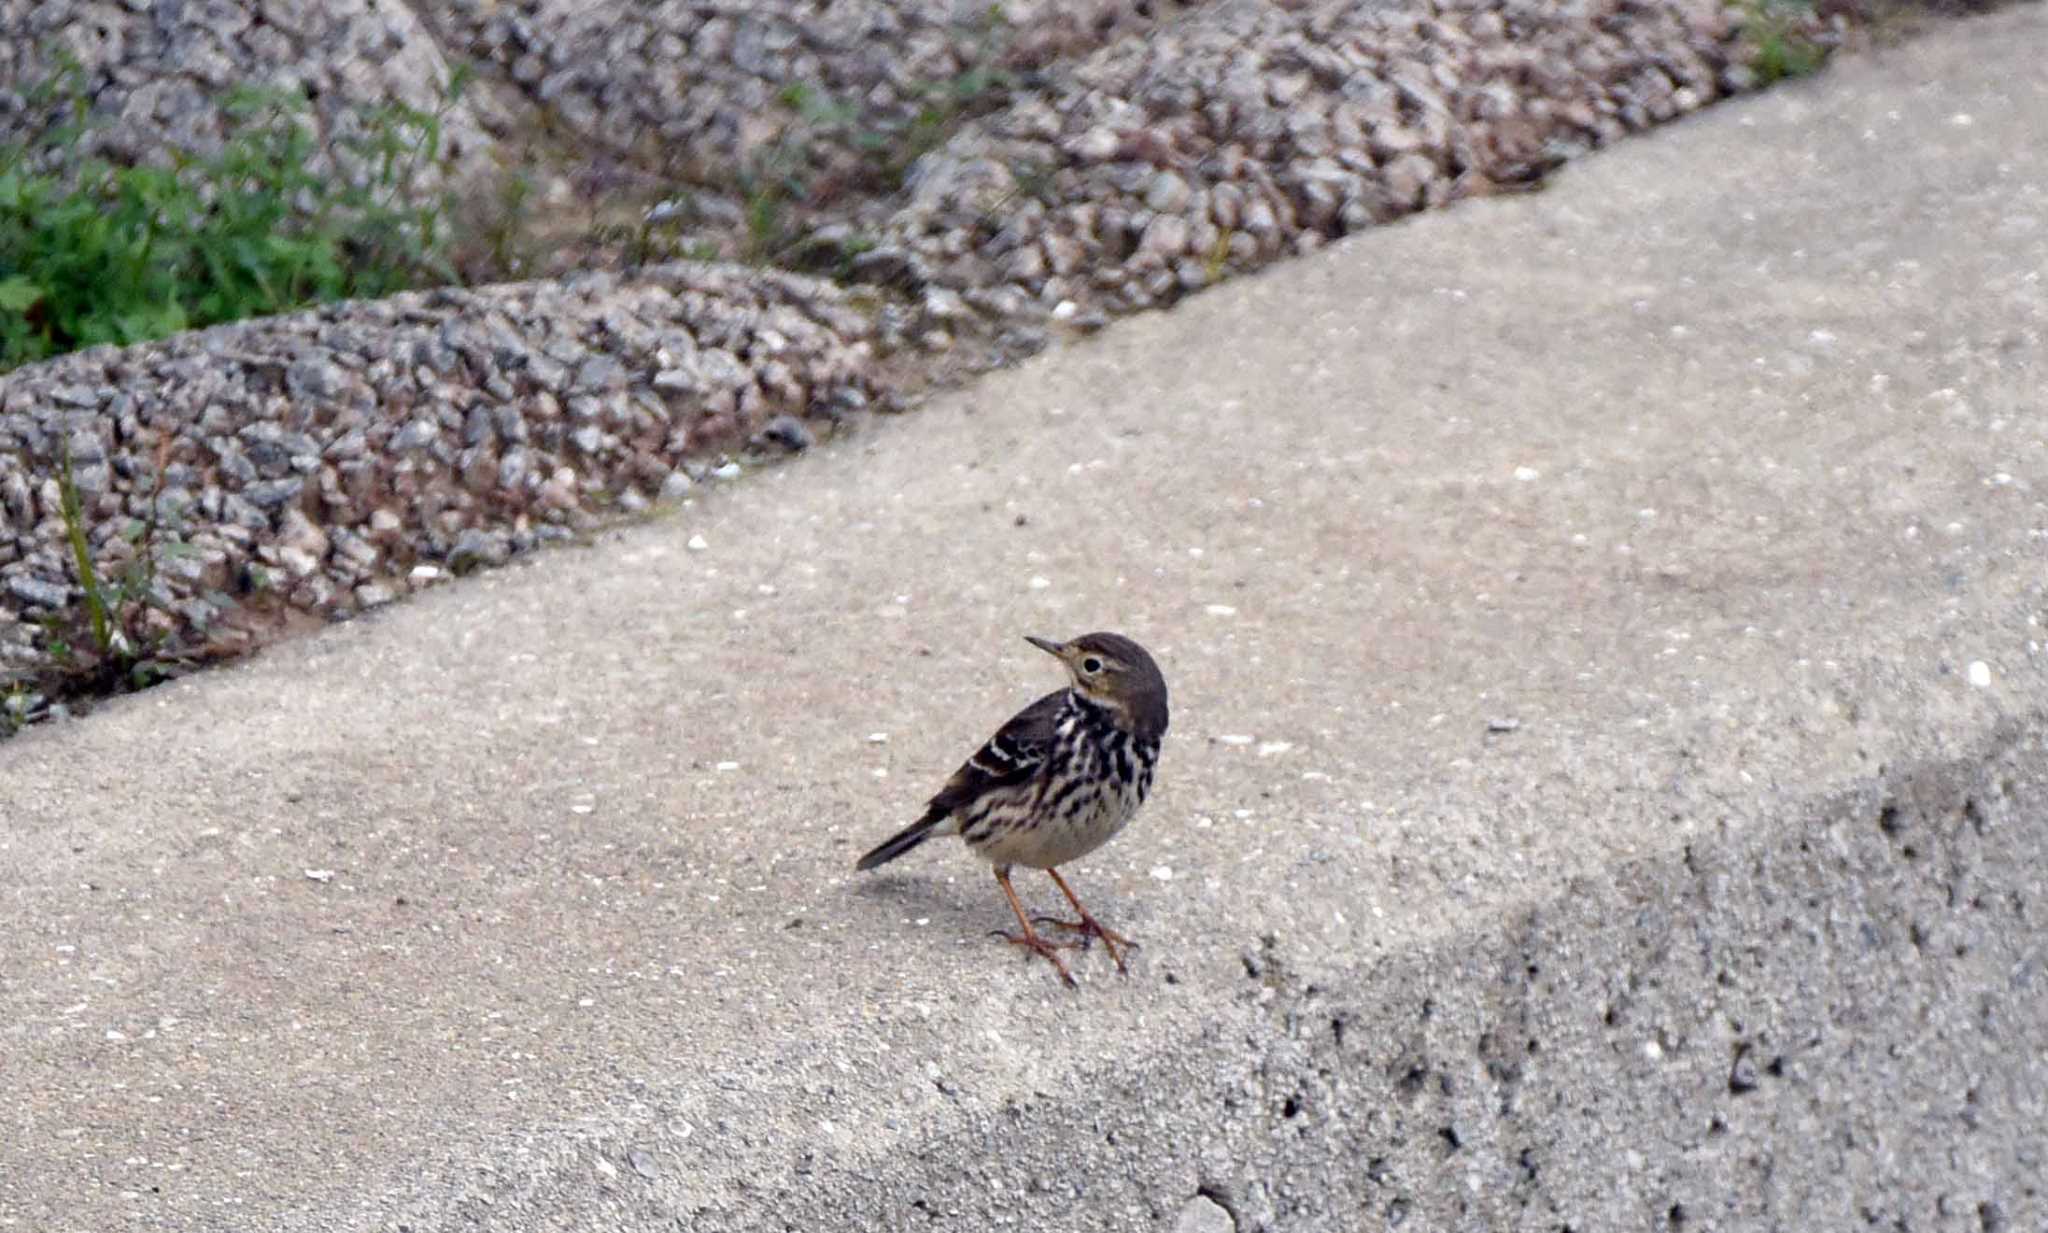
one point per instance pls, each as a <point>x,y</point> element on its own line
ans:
<point>1248,132</point>
<point>1106,158</point>
<point>706,87</point>
<point>316,459</point>
<point>159,74</point>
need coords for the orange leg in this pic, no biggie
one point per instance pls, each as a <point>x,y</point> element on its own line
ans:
<point>1088,926</point>
<point>1030,939</point>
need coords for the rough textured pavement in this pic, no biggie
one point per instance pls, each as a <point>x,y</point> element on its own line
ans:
<point>1715,473</point>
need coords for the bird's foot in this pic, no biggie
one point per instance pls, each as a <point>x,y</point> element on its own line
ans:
<point>1089,928</point>
<point>1039,946</point>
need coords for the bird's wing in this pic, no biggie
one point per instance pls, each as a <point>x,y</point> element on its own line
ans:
<point>1011,756</point>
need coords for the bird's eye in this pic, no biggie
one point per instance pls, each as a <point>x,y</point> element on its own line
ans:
<point>1091,665</point>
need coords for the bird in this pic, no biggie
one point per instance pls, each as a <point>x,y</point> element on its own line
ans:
<point>1063,777</point>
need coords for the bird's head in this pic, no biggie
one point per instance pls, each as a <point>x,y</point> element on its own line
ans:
<point>1116,674</point>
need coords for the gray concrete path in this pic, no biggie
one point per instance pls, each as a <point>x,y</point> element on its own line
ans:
<point>1716,473</point>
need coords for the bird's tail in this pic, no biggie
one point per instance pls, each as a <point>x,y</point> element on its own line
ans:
<point>902,841</point>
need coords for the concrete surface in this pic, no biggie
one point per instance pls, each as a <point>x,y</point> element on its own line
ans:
<point>1718,469</point>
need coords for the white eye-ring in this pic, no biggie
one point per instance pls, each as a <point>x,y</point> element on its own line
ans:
<point>1091,665</point>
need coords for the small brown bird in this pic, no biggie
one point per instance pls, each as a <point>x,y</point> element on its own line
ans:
<point>1056,782</point>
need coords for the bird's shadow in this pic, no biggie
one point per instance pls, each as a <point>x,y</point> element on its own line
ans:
<point>955,904</point>
<point>946,905</point>
<point>951,910</point>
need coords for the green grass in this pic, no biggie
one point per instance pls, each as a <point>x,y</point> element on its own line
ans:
<point>18,703</point>
<point>92,252</point>
<point>1781,46</point>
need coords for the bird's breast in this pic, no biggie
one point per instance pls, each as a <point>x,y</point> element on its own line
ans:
<point>1095,778</point>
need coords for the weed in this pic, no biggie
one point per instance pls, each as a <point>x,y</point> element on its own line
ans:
<point>97,253</point>
<point>504,229</point>
<point>19,706</point>
<point>1217,263</point>
<point>853,247</point>
<point>1779,34</point>
<point>786,184</point>
<point>68,507</point>
<point>829,251</point>
<point>122,653</point>
<point>1036,181</point>
<point>767,197</point>
<point>946,106</point>
<point>657,237</point>
<point>817,109</point>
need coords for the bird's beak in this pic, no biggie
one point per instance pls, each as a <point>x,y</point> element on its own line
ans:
<point>1055,649</point>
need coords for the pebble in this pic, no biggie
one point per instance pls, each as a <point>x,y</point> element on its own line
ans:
<point>1202,1214</point>
<point>300,562</point>
<point>39,593</point>
<point>789,432</point>
<point>476,547</point>
<point>1167,194</point>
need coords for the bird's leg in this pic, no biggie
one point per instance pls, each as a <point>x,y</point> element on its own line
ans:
<point>1088,926</point>
<point>1030,939</point>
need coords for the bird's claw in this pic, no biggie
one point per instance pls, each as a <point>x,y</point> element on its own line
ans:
<point>1034,942</point>
<point>1089,929</point>
<point>1050,951</point>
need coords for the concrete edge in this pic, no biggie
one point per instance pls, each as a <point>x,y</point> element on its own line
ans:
<point>1841,1021</point>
